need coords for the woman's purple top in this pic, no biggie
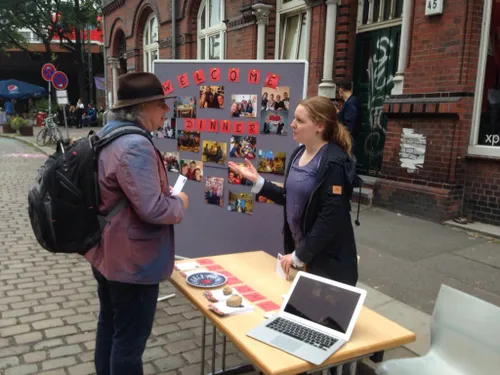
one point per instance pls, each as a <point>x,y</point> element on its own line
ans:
<point>299,186</point>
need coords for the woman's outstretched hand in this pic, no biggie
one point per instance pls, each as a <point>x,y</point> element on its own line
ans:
<point>248,171</point>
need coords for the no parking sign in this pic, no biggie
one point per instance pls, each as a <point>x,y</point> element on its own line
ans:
<point>48,71</point>
<point>60,80</point>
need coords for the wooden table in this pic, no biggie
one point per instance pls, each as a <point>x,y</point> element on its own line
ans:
<point>373,333</point>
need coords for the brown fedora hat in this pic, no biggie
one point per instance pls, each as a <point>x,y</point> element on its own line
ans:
<point>136,88</point>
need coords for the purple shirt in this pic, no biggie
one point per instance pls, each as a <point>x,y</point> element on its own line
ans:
<point>299,186</point>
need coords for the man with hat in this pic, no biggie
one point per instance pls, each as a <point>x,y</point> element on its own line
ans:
<point>137,249</point>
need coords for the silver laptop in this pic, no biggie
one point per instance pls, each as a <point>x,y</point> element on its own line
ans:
<point>315,320</point>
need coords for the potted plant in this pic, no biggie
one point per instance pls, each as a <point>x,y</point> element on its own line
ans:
<point>7,128</point>
<point>22,126</point>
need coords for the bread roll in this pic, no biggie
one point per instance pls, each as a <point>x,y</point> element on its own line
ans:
<point>234,301</point>
<point>227,290</point>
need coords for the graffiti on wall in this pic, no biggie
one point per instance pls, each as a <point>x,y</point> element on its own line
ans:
<point>412,150</point>
<point>379,82</point>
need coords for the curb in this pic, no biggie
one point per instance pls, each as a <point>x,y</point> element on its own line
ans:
<point>39,148</point>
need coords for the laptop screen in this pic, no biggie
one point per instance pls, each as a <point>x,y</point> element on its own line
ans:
<point>324,304</point>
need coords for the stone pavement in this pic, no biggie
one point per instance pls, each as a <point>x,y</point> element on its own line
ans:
<point>49,302</point>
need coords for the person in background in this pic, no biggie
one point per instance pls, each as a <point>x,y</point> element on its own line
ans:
<point>350,113</point>
<point>9,108</point>
<point>316,195</point>
<point>137,248</point>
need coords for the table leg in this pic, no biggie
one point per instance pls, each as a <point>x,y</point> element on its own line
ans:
<point>204,324</point>
<point>352,368</point>
<point>224,353</point>
<point>340,369</point>
<point>214,342</point>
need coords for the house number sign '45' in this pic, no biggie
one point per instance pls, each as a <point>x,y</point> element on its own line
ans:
<point>433,7</point>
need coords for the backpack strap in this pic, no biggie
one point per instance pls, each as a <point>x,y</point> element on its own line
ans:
<point>118,132</point>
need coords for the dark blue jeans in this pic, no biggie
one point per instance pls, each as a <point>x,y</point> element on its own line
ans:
<point>125,323</point>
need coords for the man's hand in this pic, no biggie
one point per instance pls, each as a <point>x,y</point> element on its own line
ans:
<point>286,262</point>
<point>184,199</point>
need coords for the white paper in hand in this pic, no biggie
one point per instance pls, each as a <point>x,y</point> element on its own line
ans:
<point>179,184</point>
<point>279,269</point>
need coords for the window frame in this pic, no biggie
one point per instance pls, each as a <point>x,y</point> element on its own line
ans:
<point>284,11</point>
<point>375,25</point>
<point>475,148</point>
<point>148,49</point>
<point>208,31</point>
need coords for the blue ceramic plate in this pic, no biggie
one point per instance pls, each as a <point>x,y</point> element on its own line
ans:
<point>206,279</point>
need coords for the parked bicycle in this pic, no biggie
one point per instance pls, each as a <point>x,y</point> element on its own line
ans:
<point>50,132</point>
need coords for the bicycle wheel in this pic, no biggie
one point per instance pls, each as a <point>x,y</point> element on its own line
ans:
<point>41,138</point>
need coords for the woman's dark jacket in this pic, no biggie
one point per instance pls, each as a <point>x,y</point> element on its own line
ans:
<point>328,247</point>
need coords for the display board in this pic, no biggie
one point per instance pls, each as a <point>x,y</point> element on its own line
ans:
<point>228,110</point>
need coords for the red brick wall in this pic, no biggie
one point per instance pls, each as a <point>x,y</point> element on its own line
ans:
<point>482,190</point>
<point>444,49</point>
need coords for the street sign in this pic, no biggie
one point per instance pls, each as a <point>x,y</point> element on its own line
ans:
<point>60,80</point>
<point>62,97</point>
<point>48,71</point>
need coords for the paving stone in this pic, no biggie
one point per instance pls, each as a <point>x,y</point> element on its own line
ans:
<point>153,353</point>
<point>58,362</point>
<point>161,330</point>
<point>8,362</point>
<point>33,318</point>
<point>179,335</point>
<point>33,357</point>
<point>181,346</point>
<point>80,338</point>
<point>14,330</point>
<point>169,363</point>
<point>27,338</point>
<point>22,370</point>
<point>8,322</point>
<point>47,344</point>
<point>82,369</point>
<point>64,351</point>
<point>49,323</point>
<point>60,331</point>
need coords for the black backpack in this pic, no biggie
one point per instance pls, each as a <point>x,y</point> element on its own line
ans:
<point>63,205</point>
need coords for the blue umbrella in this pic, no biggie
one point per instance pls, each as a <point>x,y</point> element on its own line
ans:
<point>14,89</point>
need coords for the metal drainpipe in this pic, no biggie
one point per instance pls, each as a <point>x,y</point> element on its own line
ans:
<point>107,105</point>
<point>174,37</point>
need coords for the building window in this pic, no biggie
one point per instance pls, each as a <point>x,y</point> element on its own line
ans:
<point>211,30</point>
<point>485,134</point>
<point>150,43</point>
<point>373,14</point>
<point>292,29</point>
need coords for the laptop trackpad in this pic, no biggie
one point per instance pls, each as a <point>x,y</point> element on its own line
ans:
<point>286,343</point>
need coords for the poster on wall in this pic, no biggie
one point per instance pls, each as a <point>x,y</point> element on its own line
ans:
<point>221,111</point>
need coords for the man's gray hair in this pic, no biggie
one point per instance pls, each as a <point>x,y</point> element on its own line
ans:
<point>129,114</point>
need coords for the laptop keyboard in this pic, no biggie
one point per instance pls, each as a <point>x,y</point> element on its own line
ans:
<point>299,332</point>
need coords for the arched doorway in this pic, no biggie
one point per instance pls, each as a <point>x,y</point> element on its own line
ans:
<point>120,51</point>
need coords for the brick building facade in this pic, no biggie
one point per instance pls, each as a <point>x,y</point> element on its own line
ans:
<point>427,78</point>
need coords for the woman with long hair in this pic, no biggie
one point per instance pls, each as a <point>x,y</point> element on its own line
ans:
<point>316,195</point>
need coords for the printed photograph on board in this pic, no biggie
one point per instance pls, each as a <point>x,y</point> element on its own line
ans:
<point>171,161</point>
<point>211,96</point>
<point>261,199</point>
<point>244,105</point>
<point>185,107</point>
<point>169,129</point>
<point>277,99</point>
<point>271,162</point>
<point>240,202</point>
<point>214,191</point>
<point>214,152</point>
<point>188,141</point>
<point>274,122</point>
<point>192,169</point>
<point>243,147</point>
<point>237,179</point>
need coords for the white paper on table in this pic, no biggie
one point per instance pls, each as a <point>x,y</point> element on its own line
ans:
<point>186,266</point>
<point>223,308</point>
<point>179,184</point>
<point>221,297</point>
<point>279,269</point>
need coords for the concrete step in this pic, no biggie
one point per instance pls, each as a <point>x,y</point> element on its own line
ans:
<point>366,197</point>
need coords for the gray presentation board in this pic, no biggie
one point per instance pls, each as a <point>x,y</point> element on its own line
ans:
<point>209,229</point>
